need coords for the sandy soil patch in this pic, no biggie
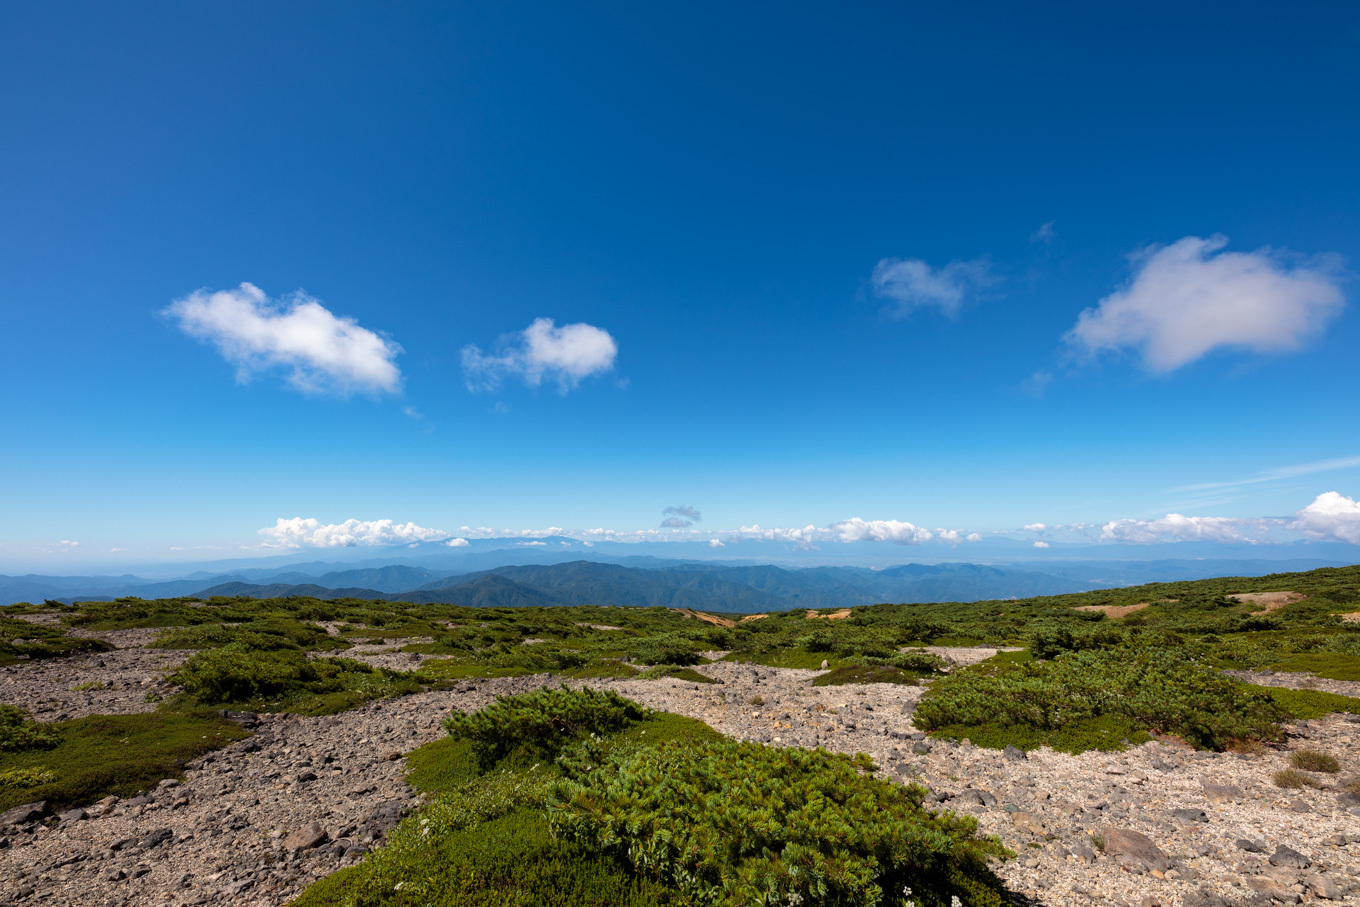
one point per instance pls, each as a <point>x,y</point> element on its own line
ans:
<point>1352,618</point>
<point>1114,612</point>
<point>842,614</point>
<point>1269,601</point>
<point>707,618</point>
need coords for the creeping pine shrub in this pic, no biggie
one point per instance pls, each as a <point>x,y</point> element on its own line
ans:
<point>667,649</point>
<point>1049,642</point>
<point>734,824</point>
<point>24,778</point>
<point>1167,690</point>
<point>542,723</point>
<point>236,674</point>
<point>18,733</point>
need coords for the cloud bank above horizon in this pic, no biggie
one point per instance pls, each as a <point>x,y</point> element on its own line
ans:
<point>1331,516</point>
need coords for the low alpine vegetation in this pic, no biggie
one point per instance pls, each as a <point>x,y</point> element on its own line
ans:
<point>1123,691</point>
<point>539,725</point>
<point>1293,778</point>
<point>732,824</point>
<point>1313,761</point>
<point>18,733</point>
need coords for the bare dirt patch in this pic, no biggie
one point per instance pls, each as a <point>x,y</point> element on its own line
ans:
<point>1114,612</point>
<point>842,614</point>
<point>1352,618</point>
<point>707,618</point>
<point>1269,601</point>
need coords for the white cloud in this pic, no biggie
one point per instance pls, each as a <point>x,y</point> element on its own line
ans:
<point>1045,234</point>
<point>911,283</point>
<point>67,543</point>
<point>1175,527</point>
<point>1041,544</point>
<point>1330,516</point>
<point>457,543</point>
<point>323,352</point>
<point>565,354</point>
<point>1035,527</point>
<point>974,536</point>
<point>310,533</point>
<point>857,530</point>
<point>1190,298</point>
<point>715,543</point>
<point>532,544</point>
<point>948,535</point>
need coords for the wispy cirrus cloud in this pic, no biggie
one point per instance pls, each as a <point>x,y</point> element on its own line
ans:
<point>565,354</point>
<point>911,283</point>
<point>1190,298</point>
<point>320,351</point>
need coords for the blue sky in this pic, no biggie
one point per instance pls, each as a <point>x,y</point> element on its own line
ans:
<point>821,264</point>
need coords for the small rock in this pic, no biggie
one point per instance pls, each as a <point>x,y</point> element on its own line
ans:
<point>1288,856</point>
<point>157,838</point>
<point>1322,887</point>
<point>1250,846</point>
<point>1134,849</point>
<point>306,838</point>
<point>305,777</point>
<point>1014,753</point>
<point>73,815</point>
<point>21,814</point>
<point>1205,898</point>
<point>1222,793</point>
<point>921,749</point>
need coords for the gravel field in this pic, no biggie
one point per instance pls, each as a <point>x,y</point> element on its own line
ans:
<point>256,822</point>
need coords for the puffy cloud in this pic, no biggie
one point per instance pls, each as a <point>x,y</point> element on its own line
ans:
<point>566,354</point>
<point>911,283</point>
<point>1190,298</point>
<point>1041,544</point>
<point>1035,527</point>
<point>686,513</point>
<point>1330,516</point>
<point>974,536</point>
<point>67,543</point>
<point>310,533</point>
<point>675,522</point>
<point>457,543</point>
<point>948,535</point>
<point>857,530</point>
<point>715,543</point>
<point>1175,527</point>
<point>322,352</point>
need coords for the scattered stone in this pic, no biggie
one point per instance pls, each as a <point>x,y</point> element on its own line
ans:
<point>1135,849</point>
<point>1288,856</point>
<point>1222,793</point>
<point>1186,814</point>
<point>306,838</point>
<point>1014,753</point>
<point>1319,886</point>
<point>21,814</point>
<point>73,815</point>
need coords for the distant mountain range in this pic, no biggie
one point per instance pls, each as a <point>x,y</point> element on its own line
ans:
<point>646,581</point>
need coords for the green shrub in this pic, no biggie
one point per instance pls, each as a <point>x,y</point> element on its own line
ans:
<point>16,779</point>
<point>1309,703</point>
<point>1168,690</point>
<point>286,680</point>
<point>665,650</point>
<point>18,733</point>
<point>542,723</point>
<point>729,823</point>
<point>1313,761</point>
<point>21,639</point>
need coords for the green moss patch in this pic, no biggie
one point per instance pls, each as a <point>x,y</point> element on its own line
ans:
<point>115,754</point>
<point>865,674</point>
<point>1310,703</point>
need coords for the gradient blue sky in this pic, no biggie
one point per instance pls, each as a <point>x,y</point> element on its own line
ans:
<point>714,186</point>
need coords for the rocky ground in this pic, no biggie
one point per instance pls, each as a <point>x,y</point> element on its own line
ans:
<point>254,823</point>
